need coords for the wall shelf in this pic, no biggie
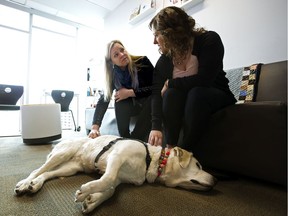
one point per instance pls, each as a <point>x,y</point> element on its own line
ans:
<point>142,15</point>
<point>190,3</point>
<point>185,6</point>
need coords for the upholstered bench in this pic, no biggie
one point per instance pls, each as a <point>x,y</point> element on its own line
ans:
<point>250,137</point>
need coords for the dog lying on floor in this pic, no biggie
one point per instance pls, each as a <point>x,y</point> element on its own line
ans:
<point>120,161</point>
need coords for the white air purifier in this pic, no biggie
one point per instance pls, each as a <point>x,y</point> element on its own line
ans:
<point>40,123</point>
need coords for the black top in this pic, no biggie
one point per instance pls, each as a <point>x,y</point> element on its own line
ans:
<point>145,77</point>
<point>209,50</point>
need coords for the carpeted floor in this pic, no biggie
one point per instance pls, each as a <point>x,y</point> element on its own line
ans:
<point>238,197</point>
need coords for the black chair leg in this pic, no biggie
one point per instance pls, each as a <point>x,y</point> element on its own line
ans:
<point>75,128</point>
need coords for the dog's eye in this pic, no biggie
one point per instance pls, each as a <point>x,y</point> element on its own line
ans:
<point>198,165</point>
<point>194,181</point>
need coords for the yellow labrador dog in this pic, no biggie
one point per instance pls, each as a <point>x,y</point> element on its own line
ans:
<point>120,161</point>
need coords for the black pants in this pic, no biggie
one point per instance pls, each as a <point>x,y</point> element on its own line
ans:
<point>138,108</point>
<point>195,109</point>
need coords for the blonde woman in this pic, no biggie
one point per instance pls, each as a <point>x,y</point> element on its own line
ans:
<point>131,79</point>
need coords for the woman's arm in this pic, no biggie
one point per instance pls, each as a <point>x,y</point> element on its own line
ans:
<point>163,71</point>
<point>145,78</point>
<point>100,111</point>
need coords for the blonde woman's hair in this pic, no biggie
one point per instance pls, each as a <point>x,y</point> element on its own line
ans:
<point>132,68</point>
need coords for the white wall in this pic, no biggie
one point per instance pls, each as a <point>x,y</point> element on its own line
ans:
<point>252,30</point>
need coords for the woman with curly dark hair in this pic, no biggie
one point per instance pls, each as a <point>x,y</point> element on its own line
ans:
<point>189,83</point>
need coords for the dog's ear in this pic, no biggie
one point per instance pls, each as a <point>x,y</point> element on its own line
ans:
<point>184,156</point>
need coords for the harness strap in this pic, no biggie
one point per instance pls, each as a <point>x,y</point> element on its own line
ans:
<point>106,148</point>
<point>111,143</point>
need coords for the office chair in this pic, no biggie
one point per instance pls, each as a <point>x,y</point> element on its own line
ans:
<point>64,98</point>
<point>9,96</point>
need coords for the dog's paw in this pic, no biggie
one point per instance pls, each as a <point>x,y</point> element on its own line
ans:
<point>83,192</point>
<point>22,187</point>
<point>28,186</point>
<point>90,203</point>
<point>94,200</point>
<point>79,196</point>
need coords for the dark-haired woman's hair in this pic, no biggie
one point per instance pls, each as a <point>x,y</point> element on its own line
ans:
<point>178,30</point>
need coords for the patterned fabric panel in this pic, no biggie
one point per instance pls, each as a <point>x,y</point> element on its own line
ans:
<point>249,82</point>
<point>235,78</point>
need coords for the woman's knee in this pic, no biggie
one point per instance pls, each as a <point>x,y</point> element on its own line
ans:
<point>198,93</point>
<point>123,106</point>
<point>173,95</point>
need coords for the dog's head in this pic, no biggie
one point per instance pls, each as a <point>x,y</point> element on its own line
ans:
<point>183,170</point>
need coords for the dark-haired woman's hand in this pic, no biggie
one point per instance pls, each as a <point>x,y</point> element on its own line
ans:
<point>155,138</point>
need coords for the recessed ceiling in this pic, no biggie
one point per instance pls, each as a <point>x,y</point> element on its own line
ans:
<point>82,11</point>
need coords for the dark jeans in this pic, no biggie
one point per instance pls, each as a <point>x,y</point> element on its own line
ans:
<point>139,108</point>
<point>195,109</point>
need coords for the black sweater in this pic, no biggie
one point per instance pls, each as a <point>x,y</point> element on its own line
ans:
<point>145,77</point>
<point>209,50</point>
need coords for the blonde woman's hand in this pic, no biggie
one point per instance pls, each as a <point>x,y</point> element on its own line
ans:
<point>123,94</point>
<point>94,132</point>
<point>155,138</point>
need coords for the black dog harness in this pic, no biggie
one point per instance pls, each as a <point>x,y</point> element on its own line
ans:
<point>107,147</point>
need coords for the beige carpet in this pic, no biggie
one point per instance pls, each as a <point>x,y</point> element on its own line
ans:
<point>239,197</point>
